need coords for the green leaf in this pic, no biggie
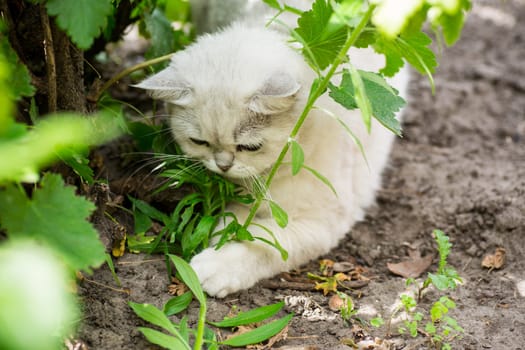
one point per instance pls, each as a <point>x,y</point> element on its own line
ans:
<point>199,235</point>
<point>444,247</point>
<point>154,316</point>
<point>297,157</point>
<point>321,177</point>
<point>161,34</point>
<point>278,214</point>
<point>377,322</point>
<point>430,328</point>
<point>149,210</point>
<point>82,20</point>
<point>384,99</point>
<point>259,334</point>
<point>249,317</point>
<point>177,304</point>
<point>322,39</point>
<point>52,137</point>
<point>411,46</point>
<point>189,277</point>
<point>80,165</point>
<point>273,4</point>
<point>164,340</point>
<point>56,217</point>
<point>19,80</point>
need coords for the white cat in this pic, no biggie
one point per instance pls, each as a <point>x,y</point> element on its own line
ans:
<point>234,97</point>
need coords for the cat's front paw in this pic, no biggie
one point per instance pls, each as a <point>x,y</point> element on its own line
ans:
<point>233,267</point>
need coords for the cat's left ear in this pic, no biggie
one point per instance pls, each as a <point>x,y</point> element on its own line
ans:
<point>277,95</point>
<point>164,86</point>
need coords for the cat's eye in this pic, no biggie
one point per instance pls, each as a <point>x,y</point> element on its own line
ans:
<point>250,148</point>
<point>199,142</point>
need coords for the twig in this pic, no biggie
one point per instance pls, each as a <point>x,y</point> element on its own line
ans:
<point>125,72</point>
<point>49,52</point>
<point>81,277</point>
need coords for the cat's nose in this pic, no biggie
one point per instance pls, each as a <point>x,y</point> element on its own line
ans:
<point>224,160</point>
<point>224,167</point>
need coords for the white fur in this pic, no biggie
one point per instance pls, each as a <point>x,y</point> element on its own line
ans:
<point>222,77</point>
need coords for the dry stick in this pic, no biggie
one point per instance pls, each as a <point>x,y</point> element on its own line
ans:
<point>127,71</point>
<point>50,61</point>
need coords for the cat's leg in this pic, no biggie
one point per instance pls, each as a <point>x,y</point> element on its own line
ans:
<point>239,265</point>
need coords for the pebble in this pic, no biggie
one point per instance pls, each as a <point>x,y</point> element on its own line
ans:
<point>521,288</point>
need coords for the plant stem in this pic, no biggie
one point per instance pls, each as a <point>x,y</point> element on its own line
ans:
<point>127,71</point>
<point>314,95</point>
<point>199,337</point>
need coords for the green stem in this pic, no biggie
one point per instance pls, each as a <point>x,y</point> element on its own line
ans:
<point>199,337</point>
<point>314,95</point>
<point>127,71</point>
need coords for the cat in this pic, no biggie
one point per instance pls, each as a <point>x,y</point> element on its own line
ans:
<point>233,97</point>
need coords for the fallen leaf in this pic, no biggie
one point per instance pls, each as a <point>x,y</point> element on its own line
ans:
<point>177,287</point>
<point>326,267</point>
<point>411,268</point>
<point>344,266</point>
<point>496,260</point>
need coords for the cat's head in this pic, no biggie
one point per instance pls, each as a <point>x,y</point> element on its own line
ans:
<point>232,101</point>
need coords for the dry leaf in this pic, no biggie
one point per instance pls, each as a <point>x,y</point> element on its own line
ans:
<point>326,267</point>
<point>411,268</point>
<point>496,260</point>
<point>344,266</point>
<point>177,287</point>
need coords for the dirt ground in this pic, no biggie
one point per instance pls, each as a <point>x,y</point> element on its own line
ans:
<point>460,167</point>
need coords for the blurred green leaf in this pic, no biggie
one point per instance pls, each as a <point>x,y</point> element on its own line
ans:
<point>18,78</point>
<point>82,20</point>
<point>56,217</point>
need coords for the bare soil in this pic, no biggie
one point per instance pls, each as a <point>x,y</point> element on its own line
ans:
<point>460,167</point>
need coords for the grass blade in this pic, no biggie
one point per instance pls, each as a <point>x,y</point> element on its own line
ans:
<point>259,334</point>
<point>154,316</point>
<point>252,316</point>
<point>189,277</point>
<point>164,340</point>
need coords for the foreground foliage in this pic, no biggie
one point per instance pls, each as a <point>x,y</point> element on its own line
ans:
<point>50,213</point>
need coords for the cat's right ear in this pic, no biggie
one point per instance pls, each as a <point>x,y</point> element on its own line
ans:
<point>277,95</point>
<point>163,87</point>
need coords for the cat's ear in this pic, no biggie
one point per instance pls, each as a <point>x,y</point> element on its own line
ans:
<point>167,87</point>
<point>277,95</point>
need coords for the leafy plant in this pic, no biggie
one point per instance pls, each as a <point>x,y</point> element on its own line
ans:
<point>330,29</point>
<point>439,327</point>
<point>179,334</point>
